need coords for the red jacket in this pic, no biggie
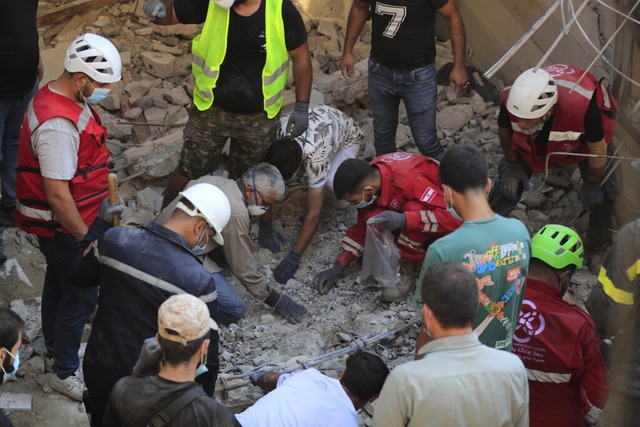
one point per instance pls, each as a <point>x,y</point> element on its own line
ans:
<point>410,184</point>
<point>567,129</point>
<point>559,347</point>
<point>88,186</point>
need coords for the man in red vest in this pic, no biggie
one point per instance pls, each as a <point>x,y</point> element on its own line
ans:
<point>62,189</point>
<point>556,114</point>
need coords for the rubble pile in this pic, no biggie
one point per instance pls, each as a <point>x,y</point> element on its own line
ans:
<point>145,115</point>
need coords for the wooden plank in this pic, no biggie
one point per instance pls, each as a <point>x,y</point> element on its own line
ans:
<point>76,8</point>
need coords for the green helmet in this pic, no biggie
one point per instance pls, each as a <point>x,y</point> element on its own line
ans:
<point>558,246</point>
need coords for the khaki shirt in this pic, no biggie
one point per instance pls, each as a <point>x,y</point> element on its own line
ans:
<point>238,248</point>
<point>459,382</point>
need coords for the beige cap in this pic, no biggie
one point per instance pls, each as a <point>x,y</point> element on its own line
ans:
<point>183,318</point>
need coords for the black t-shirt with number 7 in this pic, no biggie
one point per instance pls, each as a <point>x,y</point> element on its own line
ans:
<point>403,32</point>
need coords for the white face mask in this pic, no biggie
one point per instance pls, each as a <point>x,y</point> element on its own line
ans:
<point>225,4</point>
<point>99,94</point>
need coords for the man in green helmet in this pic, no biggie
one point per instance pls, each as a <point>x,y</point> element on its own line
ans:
<point>556,340</point>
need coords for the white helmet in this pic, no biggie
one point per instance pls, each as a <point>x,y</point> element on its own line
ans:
<point>94,56</point>
<point>533,94</point>
<point>211,204</point>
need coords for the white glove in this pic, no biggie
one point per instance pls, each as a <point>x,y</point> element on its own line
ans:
<point>154,9</point>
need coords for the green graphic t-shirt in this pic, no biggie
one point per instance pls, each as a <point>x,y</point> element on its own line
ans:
<point>497,252</point>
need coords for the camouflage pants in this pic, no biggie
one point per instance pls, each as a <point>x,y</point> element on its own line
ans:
<point>207,133</point>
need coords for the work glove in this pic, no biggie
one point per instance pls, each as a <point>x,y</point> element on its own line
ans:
<point>154,9</point>
<point>326,279</point>
<point>298,120</point>
<point>255,377</point>
<point>150,355</point>
<point>286,306</point>
<point>389,220</point>
<point>591,195</point>
<point>287,267</point>
<point>514,176</point>
<point>107,210</point>
<point>269,238</point>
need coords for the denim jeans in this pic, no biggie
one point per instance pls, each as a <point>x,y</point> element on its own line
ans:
<point>65,308</point>
<point>11,115</point>
<point>418,89</point>
<point>231,307</point>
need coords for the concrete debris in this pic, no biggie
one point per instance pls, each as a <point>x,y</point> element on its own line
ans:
<point>15,401</point>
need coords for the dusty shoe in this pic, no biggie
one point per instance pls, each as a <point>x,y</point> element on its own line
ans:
<point>72,386</point>
<point>7,216</point>
<point>407,282</point>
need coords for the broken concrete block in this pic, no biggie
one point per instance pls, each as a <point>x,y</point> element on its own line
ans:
<point>111,102</point>
<point>125,57</point>
<point>111,30</point>
<point>138,88</point>
<point>156,116</point>
<point>159,47</point>
<point>29,311</point>
<point>157,158</point>
<point>15,401</point>
<point>185,31</point>
<point>454,118</point>
<point>159,64</point>
<point>132,113</point>
<point>327,28</point>
<point>178,96</point>
<point>145,31</point>
<point>477,103</point>
<point>149,199</point>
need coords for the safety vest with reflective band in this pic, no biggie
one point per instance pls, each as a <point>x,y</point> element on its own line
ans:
<point>567,129</point>
<point>210,47</point>
<point>88,186</point>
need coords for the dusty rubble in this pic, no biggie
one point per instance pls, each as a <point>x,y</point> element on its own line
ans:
<point>145,115</point>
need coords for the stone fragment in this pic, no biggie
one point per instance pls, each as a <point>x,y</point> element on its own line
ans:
<point>159,64</point>
<point>110,29</point>
<point>145,31</point>
<point>29,311</point>
<point>178,96</point>
<point>477,104</point>
<point>327,28</point>
<point>159,47</point>
<point>454,118</point>
<point>149,199</point>
<point>138,88</point>
<point>111,102</point>
<point>156,158</point>
<point>132,113</point>
<point>15,401</point>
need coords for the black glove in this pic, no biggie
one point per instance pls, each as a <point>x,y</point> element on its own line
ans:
<point>591,195</point>
<point>513,176</point>
<point>154,9</point>
<point>150,355</point>
<point>286,306</point>
<point>269,238</point>
<point>255,377</point>
<point>107,210</point>
<point>326,279</point>
<point>287,267</point>
<point>389,220</point>
<point>298,120</point>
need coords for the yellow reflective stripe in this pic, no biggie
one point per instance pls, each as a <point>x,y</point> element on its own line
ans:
<point>633,271</point>
<point>276,73</point>
<point>617,295</point>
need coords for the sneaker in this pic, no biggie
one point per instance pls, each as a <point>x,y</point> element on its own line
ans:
<point>7,216</point>
<point>401,290</point>
<point>71,386</point>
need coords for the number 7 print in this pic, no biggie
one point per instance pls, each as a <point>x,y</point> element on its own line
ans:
<point>397,17</point>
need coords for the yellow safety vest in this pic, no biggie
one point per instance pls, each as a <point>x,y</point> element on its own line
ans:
<point>209,49</point>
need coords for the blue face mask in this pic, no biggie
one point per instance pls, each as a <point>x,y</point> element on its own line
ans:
<point>202,368</point>
<point>364,204</point>
<point>11,376</point>
<point>453,212</point>
<point>98,95</point>
<point>197,249</point>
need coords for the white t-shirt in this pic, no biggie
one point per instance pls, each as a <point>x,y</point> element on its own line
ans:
<point>55,143</point>
<point>304,399</point>
<point>329,132</point>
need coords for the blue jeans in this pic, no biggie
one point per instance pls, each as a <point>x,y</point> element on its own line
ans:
<point>231,307</point>
<point>11,115</point>
<point>65,308</point>
<point>418,89</point>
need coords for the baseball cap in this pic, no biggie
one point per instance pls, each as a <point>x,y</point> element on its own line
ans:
<point>183,318</point>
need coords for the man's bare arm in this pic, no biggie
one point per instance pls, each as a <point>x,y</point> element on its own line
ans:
<point>357,17</point>
<point>458,76</point>
<point>302,72</point>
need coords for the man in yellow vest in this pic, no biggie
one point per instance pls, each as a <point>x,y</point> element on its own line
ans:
<point>240,65</point>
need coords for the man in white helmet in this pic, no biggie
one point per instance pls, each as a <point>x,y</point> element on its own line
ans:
<point>552,112</point>
<point>62,192</point>
<point>139,269</point>
<point>240,67</point>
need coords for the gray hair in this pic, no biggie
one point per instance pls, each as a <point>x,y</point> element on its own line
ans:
<point>267,180</point>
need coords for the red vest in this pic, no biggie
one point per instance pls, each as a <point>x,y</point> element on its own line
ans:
<point>88,186</point>
<point>567,129</point>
